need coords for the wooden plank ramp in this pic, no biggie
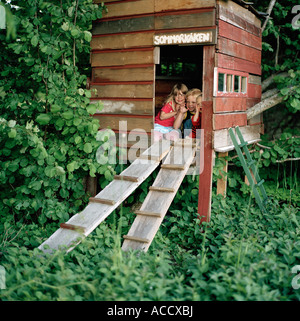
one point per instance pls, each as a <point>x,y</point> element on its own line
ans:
<point>160,197</point>
<point>102,205</point>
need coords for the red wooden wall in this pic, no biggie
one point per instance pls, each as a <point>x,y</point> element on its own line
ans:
<point>238,49</point>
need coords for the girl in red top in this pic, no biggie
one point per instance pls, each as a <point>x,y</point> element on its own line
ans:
<point>164,121</point>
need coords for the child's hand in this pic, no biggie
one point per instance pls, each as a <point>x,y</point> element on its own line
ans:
<point>183,109</point>
<point>199,108</point>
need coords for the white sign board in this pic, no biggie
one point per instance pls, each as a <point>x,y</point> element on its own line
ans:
<point>194,37</point>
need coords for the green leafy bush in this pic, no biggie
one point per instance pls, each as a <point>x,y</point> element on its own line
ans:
<point>48,140</point>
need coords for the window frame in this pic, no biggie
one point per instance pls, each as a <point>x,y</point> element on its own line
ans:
<point>227,73</point>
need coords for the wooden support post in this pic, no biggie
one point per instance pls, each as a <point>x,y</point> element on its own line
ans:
<point>205,178</point>
<point>91,185</point>
<point>222,182</point>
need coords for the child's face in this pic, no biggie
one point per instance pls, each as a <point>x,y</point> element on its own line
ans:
<point>179,98</point>
<point>191,103</point>
<point>199,104</point>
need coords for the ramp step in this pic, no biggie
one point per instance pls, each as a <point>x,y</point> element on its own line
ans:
<point>173,166</point>
<point>126,178</point>
<point>135,238</point>
<point>101,201</point>
<point>149,157</point>
<point>147,213</point>
<point>162,189</point>
<point>76,228</point>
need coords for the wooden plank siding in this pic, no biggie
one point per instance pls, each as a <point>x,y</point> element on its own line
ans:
<point>138,106</point>
<point>124,73</point>
<point>123,56</point>
<point>221,121</point>
<point>238,48</point>
<point>138,7</point>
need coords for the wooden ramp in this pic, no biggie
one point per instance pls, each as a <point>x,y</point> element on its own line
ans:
<point>82,224</point>
<point>160,196</point>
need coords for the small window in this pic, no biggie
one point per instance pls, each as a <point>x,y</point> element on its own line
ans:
<point>221,82</point>
<point>230,83</point>
<point>244,85</point>
<point>237,80</point>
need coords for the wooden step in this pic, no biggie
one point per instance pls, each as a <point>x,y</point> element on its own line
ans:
<point>135,238</point>
<point>161,189</point>
<point>147,213</point>
<point>101,201</point>
<point>184,142</point>
<point>149,157</point>
<point>126,178</point>
<point>173,167</point>
<point>72,227</point>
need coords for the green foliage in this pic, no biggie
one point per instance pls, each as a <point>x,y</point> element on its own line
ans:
<point>240,255</point>
<point>280,50</point>
<point>48,140</point>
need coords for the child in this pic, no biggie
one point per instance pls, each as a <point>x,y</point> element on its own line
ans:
<point>196,119</point>
<point>184,118</point>
<point>164,121</point>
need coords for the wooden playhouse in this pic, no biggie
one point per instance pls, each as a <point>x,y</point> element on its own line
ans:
<point>141,48</point>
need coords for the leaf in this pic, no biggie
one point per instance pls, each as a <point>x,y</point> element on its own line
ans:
<point>71,166</point>
<point>74,33</point>
<point>88,148</point>
<point>91,109</point>
<point>65,26</point>
<point>11,123</point>
<point>296,103</point>
<point>284,91</point>
<point>55,108</point>
<point>87,36</point>
<point>68,114</point>
<point>43,119</point>
<point>12,133</point>
<point>78,140</point>
<point>35,185</point>
<point>35,40</point>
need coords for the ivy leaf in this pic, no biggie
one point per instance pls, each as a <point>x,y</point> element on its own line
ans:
<point>74,33</point>
<point>295,103</point>
<point>78,140</point>
<point>88,148</point>
<point>87,36</point>
<point>65,26</point>
<point>35,185</point>
<point>35,40</point>
<point>91,109</point>
<point>12,133</point>
<point>55,108</point>
<point>43,119</point>
<point>68,114</point>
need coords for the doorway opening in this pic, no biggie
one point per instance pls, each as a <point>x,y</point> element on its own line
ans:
<point>177,64</point>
